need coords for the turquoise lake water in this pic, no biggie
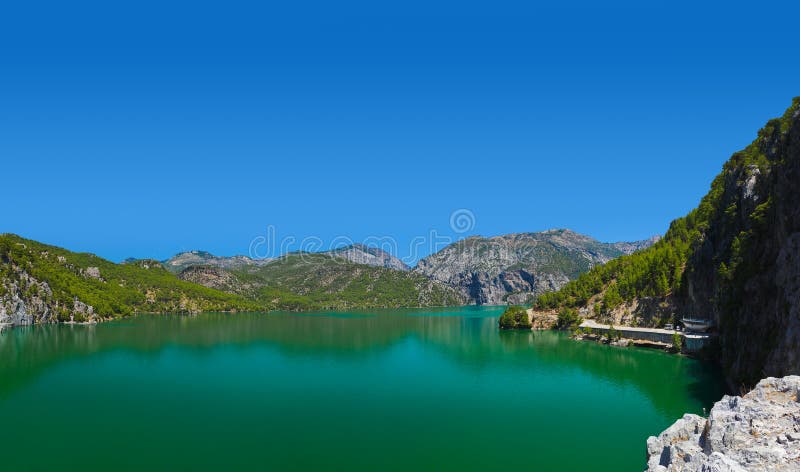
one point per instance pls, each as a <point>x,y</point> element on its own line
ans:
<point>438,389</point>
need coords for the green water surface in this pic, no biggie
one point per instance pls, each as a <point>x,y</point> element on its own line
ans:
<point>385,390</point>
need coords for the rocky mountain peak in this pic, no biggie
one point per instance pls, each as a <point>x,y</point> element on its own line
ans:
<point>182,260</point>
<point>513,268</point>
<point>369,255</point>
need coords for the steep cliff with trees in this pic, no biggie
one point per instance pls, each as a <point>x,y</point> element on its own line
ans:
<point>735,259</point>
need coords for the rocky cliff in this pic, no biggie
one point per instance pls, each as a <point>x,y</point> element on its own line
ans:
<point>734,260</point>
<point>631,247</point>
<point>358,253</point>
<point>745,272</point>
<point>515,267</point>
<point>214,277</point>
<point>759,431</point>
<point>23,299</point>
<point>368,255</point>
<point>181,261</point>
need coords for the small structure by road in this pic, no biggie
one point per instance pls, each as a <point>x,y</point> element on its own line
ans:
<point>692,342</point>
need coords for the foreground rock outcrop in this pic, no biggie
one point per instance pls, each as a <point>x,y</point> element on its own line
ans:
<point>759,431</point>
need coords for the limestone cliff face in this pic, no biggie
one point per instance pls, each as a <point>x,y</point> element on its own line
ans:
<point>368,255</point>
<point>631,247</point>
<point>181,261</point>
<point>515,267</point>
<point>25,300</point>
<point>735,260</point>
<point>358,253</point>
<point>214,277</point>
<point>746,272</point>
<point>759,431</point>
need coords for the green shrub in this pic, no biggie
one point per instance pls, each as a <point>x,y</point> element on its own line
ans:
<point>515,317</point>
<point>568,318</point>
<point>582,331</point>
<point>613,334</point>
<point>677,342</point>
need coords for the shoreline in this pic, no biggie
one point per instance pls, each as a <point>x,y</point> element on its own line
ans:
<point>98,319</point>
<point>667,339</point>
<point>692,344</point>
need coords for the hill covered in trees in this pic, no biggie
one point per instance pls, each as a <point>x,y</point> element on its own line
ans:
<point>42,283</point>
<point>307,281</point>
<point>735,259</point>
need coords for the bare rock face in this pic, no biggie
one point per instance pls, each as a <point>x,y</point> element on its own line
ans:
<point>212,277</point>
<point>358,253</point>
<point>25,300</point>
<point>83,310</point>
<point>746,273</point>
<point>631,247</point>
<point>734,260</point>
<point>757,432</point>
<point>368,255</point>
<point>181,261</point>
<point>515,267</point>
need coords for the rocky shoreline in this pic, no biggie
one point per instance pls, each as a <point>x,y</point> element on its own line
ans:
<point>759,431</point>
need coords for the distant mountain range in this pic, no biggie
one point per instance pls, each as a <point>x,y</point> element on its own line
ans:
<point>514,268</point>
<point>362,254</point>
<point>357,253</point>
<point>307,281</point>
<point>41,283</point>
<point>183,260</point>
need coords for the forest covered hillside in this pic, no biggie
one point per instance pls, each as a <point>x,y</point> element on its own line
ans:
<point>310,281</point>
<point>42,283</point>
<point>735,259</point>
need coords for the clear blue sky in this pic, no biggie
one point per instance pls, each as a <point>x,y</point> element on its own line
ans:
<point>143,129</point>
